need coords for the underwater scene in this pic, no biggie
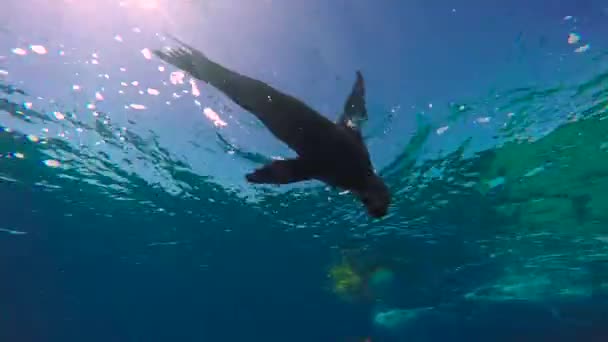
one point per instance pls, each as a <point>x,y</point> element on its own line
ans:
<point>142,198</point>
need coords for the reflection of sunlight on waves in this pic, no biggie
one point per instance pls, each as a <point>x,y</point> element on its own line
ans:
<point>101,123</point>
<point>91,176</point>
<point>429,189</point>
<point>423,187</point>
<point>108,156</point>
<point>98,153</point>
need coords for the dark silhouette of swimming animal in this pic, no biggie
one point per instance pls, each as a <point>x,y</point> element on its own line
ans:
<point>333,153</point>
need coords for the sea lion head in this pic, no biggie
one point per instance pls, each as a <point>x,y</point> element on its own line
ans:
<point>375,195</point>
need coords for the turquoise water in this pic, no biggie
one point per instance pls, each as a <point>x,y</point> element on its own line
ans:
<point>126,216</point>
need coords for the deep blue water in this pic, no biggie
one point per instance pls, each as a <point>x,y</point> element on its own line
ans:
<point>126,217</point>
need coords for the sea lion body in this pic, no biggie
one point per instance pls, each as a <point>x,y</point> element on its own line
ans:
<point>332,152</point>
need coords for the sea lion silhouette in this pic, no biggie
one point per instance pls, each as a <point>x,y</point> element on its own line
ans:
<point>333,153</point>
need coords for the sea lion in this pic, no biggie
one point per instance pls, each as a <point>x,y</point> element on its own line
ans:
<point>333,153</point>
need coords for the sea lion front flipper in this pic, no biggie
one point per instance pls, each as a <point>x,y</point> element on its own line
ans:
<point>184,57</point>
<point>281,172</point>
<point>281,113</point>
<point>355,112</point>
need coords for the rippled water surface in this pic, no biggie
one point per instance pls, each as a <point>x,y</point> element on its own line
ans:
<point>126,215</point>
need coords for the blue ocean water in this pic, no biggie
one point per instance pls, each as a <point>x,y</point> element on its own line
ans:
<point>126,215</point>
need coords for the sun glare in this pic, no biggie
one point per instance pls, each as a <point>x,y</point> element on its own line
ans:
<point>148,4</point>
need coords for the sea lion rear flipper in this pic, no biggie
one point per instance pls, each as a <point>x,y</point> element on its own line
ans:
<point>355,112</point>
<point>281,172</point>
